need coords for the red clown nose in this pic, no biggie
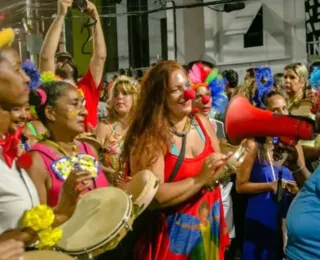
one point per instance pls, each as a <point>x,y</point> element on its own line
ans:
<point>189,94</point>
<point>205,99</point>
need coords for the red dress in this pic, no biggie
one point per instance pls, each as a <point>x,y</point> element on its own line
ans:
<point>195,229</point>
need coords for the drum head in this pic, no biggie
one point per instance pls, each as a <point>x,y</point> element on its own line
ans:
<point>97,219</point>
<point>45,254</point>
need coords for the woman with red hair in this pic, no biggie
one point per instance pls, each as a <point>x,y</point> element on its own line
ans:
<point>182,150</point>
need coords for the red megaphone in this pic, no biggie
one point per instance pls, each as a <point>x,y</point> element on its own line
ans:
<point>242,120</point>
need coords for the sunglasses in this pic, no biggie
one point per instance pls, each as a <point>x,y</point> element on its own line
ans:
<point>64,59</point>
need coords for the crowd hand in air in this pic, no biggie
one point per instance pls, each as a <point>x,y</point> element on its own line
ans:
<point>63,6</point>
<point>75,184</point>
<point>11,250</point>
<point>92,11</point>
<point>210,165</point>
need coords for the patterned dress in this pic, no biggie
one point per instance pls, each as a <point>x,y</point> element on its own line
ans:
<point>112,150</point>
<point>194,229</point>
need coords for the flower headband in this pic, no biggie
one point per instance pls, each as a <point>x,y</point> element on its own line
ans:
<point>124,78</point>
<point>48,76</point>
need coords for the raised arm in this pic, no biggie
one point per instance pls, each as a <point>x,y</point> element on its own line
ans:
<point>51,41</point>
<point>99,46</point>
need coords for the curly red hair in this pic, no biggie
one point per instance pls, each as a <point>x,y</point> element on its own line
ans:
<point>146,136</point>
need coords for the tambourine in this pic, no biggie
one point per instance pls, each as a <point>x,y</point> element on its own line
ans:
<point>230,167</point>
<point>291,186</point>
<point>90,139</point>
<point>226,147</point>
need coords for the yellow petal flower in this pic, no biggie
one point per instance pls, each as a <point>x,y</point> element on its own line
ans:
<point>38,218</point>
<point>49,237</point>
<point>48,76</point>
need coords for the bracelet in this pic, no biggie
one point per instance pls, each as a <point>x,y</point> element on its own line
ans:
<point>298,169</point>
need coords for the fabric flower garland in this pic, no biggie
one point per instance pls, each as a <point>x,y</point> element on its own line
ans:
<point>40,220</point>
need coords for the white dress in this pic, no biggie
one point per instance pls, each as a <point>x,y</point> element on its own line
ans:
<point>17,194</point>
<point>226,189</point>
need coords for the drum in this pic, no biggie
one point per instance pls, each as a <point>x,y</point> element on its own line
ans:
<point>301,108</point>
<point>45,254</point>
<point>143,187</point>
<point>101,220</point>
<point>90,139</point>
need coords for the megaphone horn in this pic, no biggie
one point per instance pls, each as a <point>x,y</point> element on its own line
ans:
<point>243,121</point>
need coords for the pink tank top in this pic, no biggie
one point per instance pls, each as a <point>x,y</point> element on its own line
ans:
<point>50,158</point>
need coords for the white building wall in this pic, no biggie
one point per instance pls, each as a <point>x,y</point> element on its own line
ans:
<point>203,31</point>
<point>155,48</point>
<point>284,37</point>
<point>122,35</point>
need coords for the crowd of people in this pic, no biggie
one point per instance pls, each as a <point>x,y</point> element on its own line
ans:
<point>168,121</point>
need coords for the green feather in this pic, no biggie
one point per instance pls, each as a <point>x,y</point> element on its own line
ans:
<point>213,74</point>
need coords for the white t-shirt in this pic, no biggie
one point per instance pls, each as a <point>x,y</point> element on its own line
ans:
<point>17,194</point>
<point>227,187</point>
<point>228,207</point>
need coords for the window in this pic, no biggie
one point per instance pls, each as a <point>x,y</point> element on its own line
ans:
<point>164,39</point>
<point>254,36</point>
<point>138,34</point>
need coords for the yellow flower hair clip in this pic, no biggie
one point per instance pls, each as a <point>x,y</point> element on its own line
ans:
<point>48,76</point>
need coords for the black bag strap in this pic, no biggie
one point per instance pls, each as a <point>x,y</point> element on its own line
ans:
<point>180,159</point>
